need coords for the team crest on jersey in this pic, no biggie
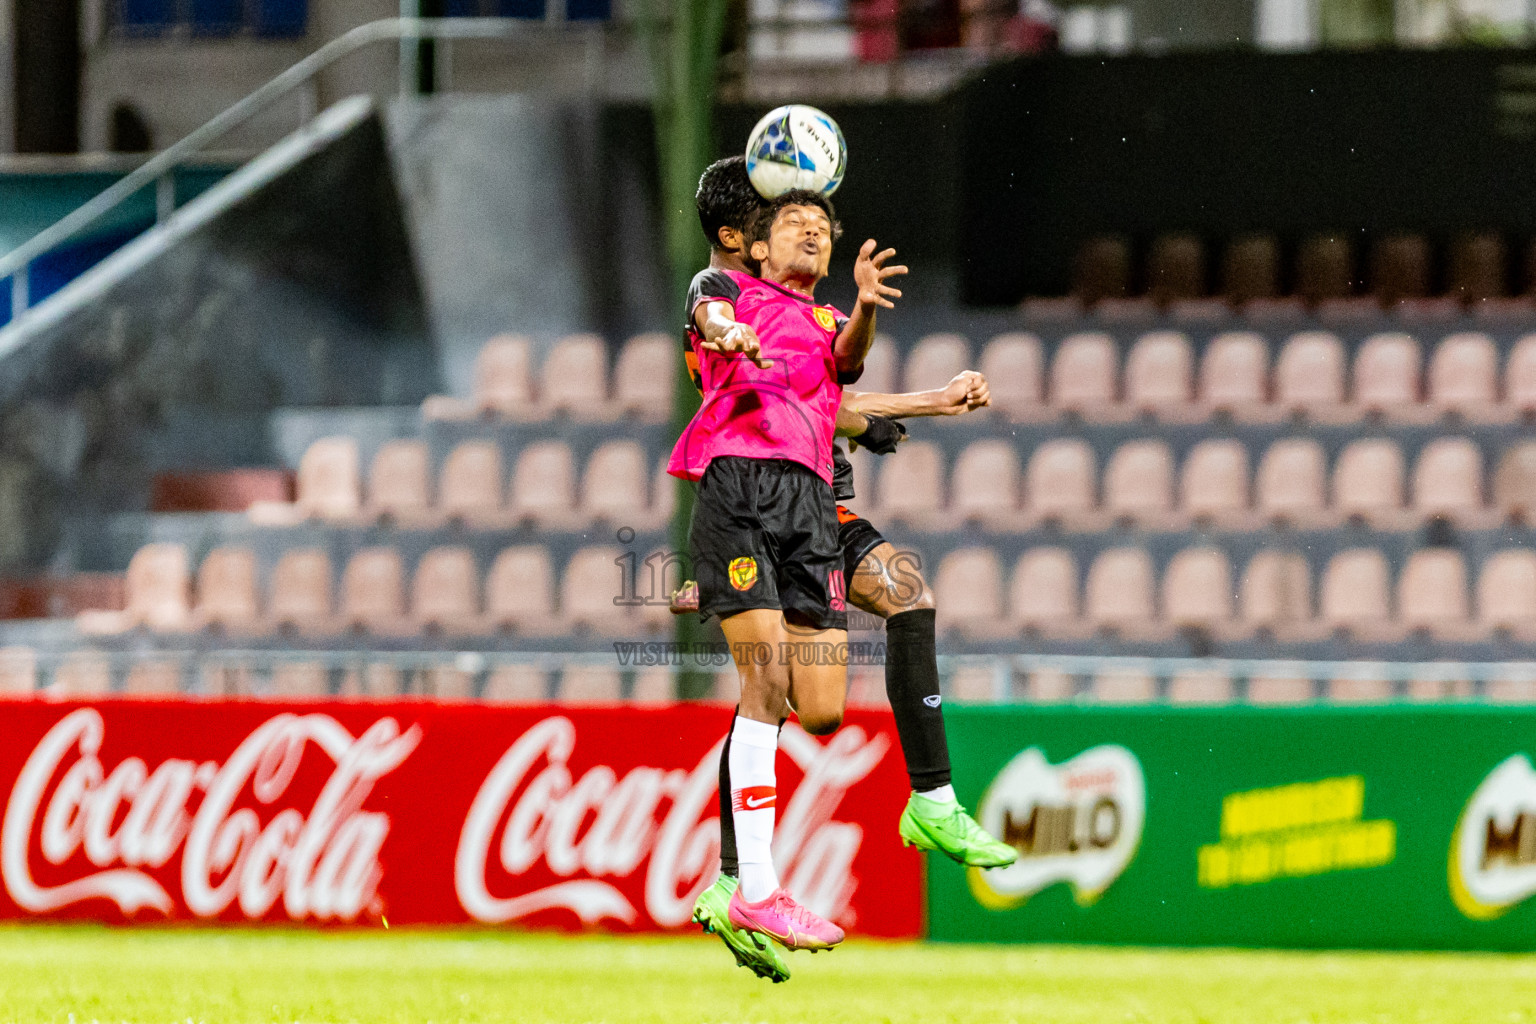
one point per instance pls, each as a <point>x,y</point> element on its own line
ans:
<point>743,572</point>
<point>825,318</point>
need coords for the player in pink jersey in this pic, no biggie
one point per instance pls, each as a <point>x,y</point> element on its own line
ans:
<point>764,533</point>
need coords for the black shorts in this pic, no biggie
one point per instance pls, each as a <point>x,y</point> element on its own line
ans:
<point>858,537</point>
<point>764,534</point>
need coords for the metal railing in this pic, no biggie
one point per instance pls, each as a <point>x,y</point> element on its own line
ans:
<point>157,169</point>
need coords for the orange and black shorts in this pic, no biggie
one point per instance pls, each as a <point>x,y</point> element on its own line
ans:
<point>857,537</point>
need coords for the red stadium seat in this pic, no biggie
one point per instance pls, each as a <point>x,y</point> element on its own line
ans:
<point>328,485</point>
<point>159,588</point>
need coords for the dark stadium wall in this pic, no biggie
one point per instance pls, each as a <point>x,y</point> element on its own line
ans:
<point>1052,151</point>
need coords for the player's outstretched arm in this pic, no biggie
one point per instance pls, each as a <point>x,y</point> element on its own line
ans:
<point>870,272</point>
<point>717,323</point>
<point>967,391</point>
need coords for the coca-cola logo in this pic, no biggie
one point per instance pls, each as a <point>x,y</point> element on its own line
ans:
<point>533,811</point>
<point>118,825</point>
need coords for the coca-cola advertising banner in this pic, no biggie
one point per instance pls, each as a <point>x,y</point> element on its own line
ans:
<point>421,813</point>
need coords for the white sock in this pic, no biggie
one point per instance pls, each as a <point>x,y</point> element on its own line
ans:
<point>754,745</point>
<point>943,795</point>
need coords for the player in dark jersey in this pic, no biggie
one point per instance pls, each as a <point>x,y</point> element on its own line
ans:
<point>880,582</point>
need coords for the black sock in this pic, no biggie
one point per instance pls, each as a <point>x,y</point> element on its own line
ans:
<point>728,865</point>
<point>911,682</point>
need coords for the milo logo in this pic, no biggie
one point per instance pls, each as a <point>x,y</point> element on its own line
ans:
<point>1493,851</point>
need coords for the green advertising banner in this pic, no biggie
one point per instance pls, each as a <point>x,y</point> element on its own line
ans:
<point>1393,827</point>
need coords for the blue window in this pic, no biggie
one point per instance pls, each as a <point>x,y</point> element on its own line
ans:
<point>211,18</point>
<point>146,17</point>
<point>280,18</point>
<point>217,17</point>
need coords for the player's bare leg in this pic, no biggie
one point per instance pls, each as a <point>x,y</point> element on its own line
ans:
<point>889,583</point>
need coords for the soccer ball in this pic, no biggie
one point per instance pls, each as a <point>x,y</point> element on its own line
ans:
<point>796,147</point>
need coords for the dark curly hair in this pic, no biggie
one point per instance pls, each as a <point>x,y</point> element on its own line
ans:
<point>726,199</point>
<point>796,197</point>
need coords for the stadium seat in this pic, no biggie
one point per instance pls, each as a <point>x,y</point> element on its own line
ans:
<point>1514,483</point>
<point>866,686</point>
<point>910,488</point>
<point>973,684</point>
<point>1059,481</point>
<point>373,680</point>
<point>1289,483</point>
<point>516,684</point>
<point>300,679</point>
<point>1506,591</point>
<point>1276,592</point>
<point>1270,690</point>
<point>1463,375</point>
<point>1512,689</point>
<point>1448,481</point>
<point>445,592</point>
<point>1309,375</point>
<point>1212,687</point>
<point>1234,375</point>
<point>1368,482</point>
<point>613,487</point>
<point>986,485</point>
<point>1477,262</point>
<point>664,497</point>
<point>1355,592</point>
<point>1197,589</point>
<point>1138,483</point>
<point>1214,487</point>
<point>879,376</point>
<point>328,484</point>
<point>1014,366</point>
<point>1432,592</point>
<point>373,592</point>
<point>1400,268</point>
<point>1044,591</point>
<point>155,677</point>
<point>81,673</point>
<point>1101,269</point>
<point>1251,269</point>
<point>469,487</point>
<point>574,378</point>
<point>1159,374</point>
<point>1083,374</point>
<point>968,592</point>
<point>643,375</point>
<point>1124,686</point>
<point>18,670</point>
<point>1049,686</point>
<point>593,581</point>
<point>590,684</point>
<point>159,588</point>
<point>503,384</point>
<point>226,590</point>
<point>519,591</point>
<point>935,360</point>
<point>1361,688</point>
<point>1324,269</point>
<point>444,682</point>
<point>301,591</point>
<point>1387,375</point>
<point>1520,377</point>
<point>1118,594</point>
<point>655,686</point>
<point>399,483</point>
<point>657,573</point>
<point>1176,268</point>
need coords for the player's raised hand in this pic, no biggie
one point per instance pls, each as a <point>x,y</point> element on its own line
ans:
<point>966,391</point>
<point>739,339</point>
<point>870,274</point>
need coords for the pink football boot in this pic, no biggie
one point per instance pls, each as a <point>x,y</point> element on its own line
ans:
<point>780,917</point>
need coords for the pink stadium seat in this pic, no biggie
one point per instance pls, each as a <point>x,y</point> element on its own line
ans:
<point>520,589</point>
<point>1044,592</point>
<point>1119,590</point>
<point>592,582</point>
<point>1050,686</point>
<point>1124,686</point>
<point>1290,479</point>
<point>654,686</point>
<point>1463,375</point>
<point>1215,482</point>
<point>935,360</point>
<point>1197,588</point>
<point>153,678</point>
<point>1083,373</point>
<point>614,486</point>
<point>18,670</point>
<point>373,591</point>
<point>399,482</point>
<point>1520,376</point>
<point>81,673</point>
<point>1213,687</point>
<point>516,684</point>
<point>300,679</point>
<point>1387,373</point>
<point>973,684</point>
<point>444,682</point>
<point>445,592</point>
<point>1506,590</point>
<point>159,594</point>
<point>1355,593</point>
<point>574,378</point>
<point>1014,366</point>
<point>1234,373</point>
<point>1276,591</point>
<point>664,497</point>
<point>590,684</point>
<point>470,484</point>
<point>879,376</point>
<point>1432,590</point>
<point>1138,482</point>
<point>986,484</point>
<point>1059,483</point>
<point>910,482</point>
<point>1368,481</point>
<point>643,375</point>
<point>301,590</point>
<point>226,589</point>
<point>968,592</point>
<point>1270,690</point>
<point>1309,375</point>
<point>1514,483</point>
<point>504,377</point>
<point>1359,689</point>
<point>328,483</point>
<point>373,680</point>
<point>1448,480</point>
<point>657,573</point>
<point>1159,373</point>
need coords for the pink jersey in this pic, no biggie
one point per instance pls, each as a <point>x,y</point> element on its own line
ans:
<point>787,411</point>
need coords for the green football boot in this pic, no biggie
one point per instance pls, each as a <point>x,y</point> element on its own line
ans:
<point>946,827</point>
<point>752,951</point>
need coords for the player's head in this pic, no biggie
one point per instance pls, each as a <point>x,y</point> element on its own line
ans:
<point>728,205</point>
<point>794,236</point>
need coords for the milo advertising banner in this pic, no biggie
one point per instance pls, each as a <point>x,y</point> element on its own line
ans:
<point>1396,827</point>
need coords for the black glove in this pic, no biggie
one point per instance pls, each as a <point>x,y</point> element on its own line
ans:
<point>881,435</point>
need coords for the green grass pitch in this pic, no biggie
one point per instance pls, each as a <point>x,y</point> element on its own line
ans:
<point>84,974</point>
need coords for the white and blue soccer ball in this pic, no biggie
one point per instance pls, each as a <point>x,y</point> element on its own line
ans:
<point>796,146</point>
